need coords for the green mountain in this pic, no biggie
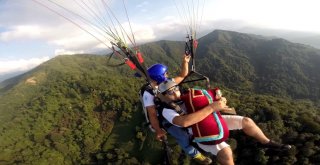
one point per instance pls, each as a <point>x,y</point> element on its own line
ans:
<point>78,110</point>
<point>64,110</point>
<point>263,65</point>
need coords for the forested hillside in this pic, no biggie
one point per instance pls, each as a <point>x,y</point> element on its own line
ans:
<point>64,111</point>
<point>260,64</point>
<point>78,110</point>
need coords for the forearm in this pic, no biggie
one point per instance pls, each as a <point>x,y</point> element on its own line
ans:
<point>184,68</point>
<point>154,122</point>
<point>153,118</point>
<point>193,118</point>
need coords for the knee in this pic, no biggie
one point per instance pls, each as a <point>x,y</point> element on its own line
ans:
<point>225,156</point>
<point>247,122</point>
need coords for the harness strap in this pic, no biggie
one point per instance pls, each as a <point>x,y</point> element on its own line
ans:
<point>160,104</point>
<point>221,133</point>
<point>216,118</point>
<point>170,103</point>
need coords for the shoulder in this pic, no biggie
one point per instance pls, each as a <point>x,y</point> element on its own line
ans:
<point>169,114</point>
<point>147,94</point>
<point>145,87</point>
<point>148,99</point>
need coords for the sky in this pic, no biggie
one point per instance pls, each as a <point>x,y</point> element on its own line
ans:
<point>31,34</point>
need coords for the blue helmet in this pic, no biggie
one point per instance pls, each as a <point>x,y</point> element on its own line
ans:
<point>157,72</point>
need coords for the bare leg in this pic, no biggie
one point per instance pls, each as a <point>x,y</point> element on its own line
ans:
<point>251,129</point>
<point>225,156</point>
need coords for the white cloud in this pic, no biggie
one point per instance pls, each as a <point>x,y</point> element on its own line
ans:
<point>161,21</point>
<point>67,52</point>
<point>9,66</point>
<point>63,36</point>
<point>285,14</point>
<point>144,34</point>
<point>22,32</point>
<point>81,40</point>
<point>143,4</point>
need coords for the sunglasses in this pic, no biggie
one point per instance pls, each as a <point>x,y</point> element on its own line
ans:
<point>172,90</point>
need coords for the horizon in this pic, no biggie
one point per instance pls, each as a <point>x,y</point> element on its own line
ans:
<point>35,34</point>
<point>10,75</point>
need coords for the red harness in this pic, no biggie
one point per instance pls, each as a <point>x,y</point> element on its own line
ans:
<point>212,129</point>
